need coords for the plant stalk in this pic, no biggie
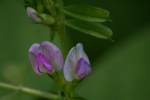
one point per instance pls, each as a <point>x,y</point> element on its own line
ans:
<point>30,91</point>
<point>60,25</point>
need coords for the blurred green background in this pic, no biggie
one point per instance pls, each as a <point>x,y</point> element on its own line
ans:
<point>120,68</point>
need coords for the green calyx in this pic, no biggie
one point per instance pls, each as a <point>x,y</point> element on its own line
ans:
<point>47,19</point>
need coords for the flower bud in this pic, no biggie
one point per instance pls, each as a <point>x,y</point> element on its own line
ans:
<point>32,13</point>
<point>45,58</point>
<point>47,19</point>
<point>77,65</point>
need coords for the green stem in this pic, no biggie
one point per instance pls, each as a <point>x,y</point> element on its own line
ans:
<point>50,5</point>
<point>69,91</point>
<point>52,35</point>
<point>29,91</point>
<point>60,27</point>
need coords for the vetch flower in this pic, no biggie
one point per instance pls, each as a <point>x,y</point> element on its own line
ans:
<point>45,58</point>
<point>32,13</point>
<point>77,65</point>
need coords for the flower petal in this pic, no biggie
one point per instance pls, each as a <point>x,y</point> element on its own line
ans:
<point>72,60</point>
<point>70,64</point>
<point>32,57</point>
<point>83,68</point>
<point>44,65</point>
<point>81,53</point>
<point>53,54</point>
<point>34,48</point>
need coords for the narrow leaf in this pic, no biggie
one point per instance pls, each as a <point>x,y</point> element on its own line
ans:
<point>87,13</point>
<point>93,29</point>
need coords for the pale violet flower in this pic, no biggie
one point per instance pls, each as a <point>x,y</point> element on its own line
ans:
<point>77,65</point>
<point>45,58</point>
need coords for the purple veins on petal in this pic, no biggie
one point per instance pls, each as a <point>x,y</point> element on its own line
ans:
<point>83,68</point>
<point>54,54</point>
<point>45,58</point>
<point>45,65</point>
<point>77,64</point>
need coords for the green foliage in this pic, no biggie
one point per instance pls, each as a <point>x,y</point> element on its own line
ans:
<point>94,29</point>
<point>87,13</point>
<point>121,73</point>
<point>85,17</point>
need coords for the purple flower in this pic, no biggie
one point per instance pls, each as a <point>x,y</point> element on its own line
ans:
<point>32,13</point>
<point>45,58</point>
<point>77,65</point>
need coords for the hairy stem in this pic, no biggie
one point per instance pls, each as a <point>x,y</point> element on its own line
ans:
<point>29,91</point>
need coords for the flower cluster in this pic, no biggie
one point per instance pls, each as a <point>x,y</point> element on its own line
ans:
<point>47,58</point>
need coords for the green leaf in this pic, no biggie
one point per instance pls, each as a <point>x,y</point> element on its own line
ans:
<point>93,29</point>
<point>87,13</point>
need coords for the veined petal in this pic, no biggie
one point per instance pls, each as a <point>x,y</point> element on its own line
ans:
<point>83,68</point>
<point>53,54</point>
<point>44,65</point>
<point>74,65</point>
